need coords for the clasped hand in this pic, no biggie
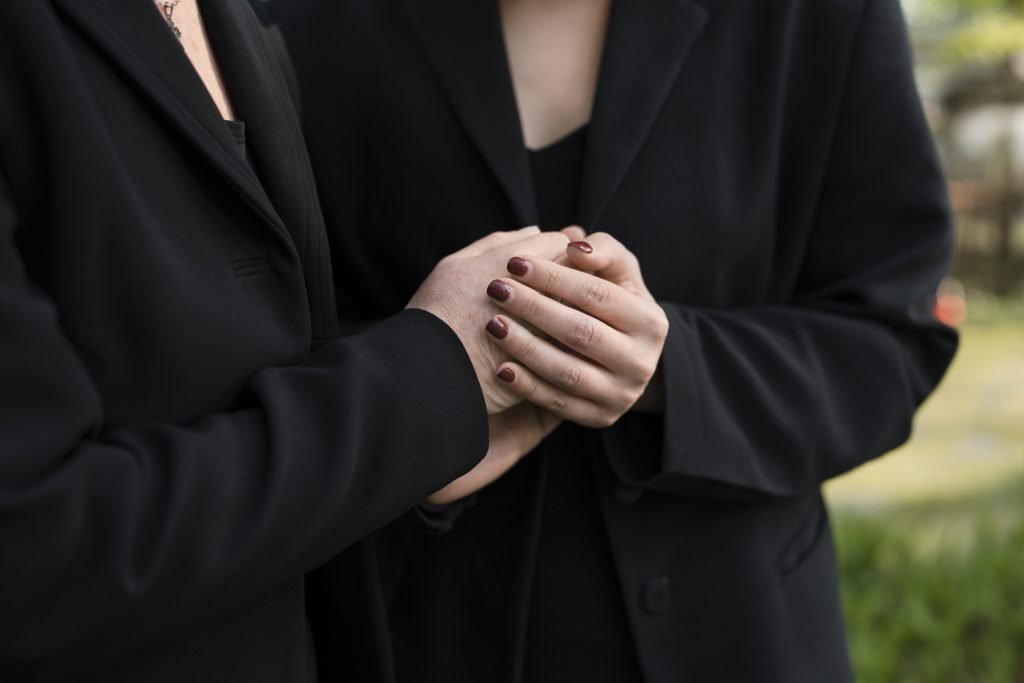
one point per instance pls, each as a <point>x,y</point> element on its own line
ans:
<point>584,337</point>
<point>573,334</point>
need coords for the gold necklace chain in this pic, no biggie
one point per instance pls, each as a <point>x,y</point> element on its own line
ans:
<point>166,8</point>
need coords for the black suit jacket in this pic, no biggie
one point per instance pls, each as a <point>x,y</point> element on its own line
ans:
<point>769,164</point>
<point>182,433</point>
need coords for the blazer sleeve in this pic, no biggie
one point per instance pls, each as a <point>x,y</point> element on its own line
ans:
<point>773,400</point>
<point>114,538</point>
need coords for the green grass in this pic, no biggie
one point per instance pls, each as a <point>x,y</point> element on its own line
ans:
<point>931,537</point>
<point>934,612</point>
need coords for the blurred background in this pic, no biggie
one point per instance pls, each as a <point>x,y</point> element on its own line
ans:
<point>931,537</point>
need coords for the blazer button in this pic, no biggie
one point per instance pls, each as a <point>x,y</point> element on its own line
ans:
<point>657,594</point>
<point>627,495</point>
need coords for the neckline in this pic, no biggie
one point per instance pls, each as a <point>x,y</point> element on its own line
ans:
<point>568,137</point>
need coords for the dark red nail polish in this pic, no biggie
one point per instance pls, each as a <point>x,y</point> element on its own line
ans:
<point>582,246</point>
<point>497,328</point>
<point>507,375</point>
<point>518,266</point>
<point>499,291</point>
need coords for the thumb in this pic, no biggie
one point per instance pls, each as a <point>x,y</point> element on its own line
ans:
<point>606,257</point>
<point>574,232</point>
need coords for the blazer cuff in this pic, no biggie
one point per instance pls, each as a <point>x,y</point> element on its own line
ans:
<point>642,446</point>
<point>446,389</point>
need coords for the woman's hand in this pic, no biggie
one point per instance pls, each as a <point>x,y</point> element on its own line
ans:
<point>454,292</point>
<point>513,434</point>
<point>607,333</point>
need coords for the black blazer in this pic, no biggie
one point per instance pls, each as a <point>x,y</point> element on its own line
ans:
<point>174,454</point>
<point>769,164</point>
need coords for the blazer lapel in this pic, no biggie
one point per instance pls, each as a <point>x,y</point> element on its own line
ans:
<point>647,43</point>
<point>135,37</point>
<point>261,99</point>
<point>465,46</point>
<point>260,95</point>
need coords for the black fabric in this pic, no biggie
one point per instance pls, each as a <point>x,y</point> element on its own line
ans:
<point>593,644</point>
<point>183,435</point>
<point>237,129</point>
<point>770,166</point>
<point>555,172</point>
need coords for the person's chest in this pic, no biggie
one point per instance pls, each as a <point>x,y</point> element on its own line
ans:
<point>170,269</point>
<point>705,155</point>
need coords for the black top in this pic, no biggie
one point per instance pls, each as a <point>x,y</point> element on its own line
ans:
<point>577,629</point>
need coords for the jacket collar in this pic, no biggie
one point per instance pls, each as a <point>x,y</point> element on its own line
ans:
<point>465,46</point>
<point>646,45</point>
<point>135,38</point>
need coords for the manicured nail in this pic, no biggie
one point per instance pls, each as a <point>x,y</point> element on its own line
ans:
<point>497,328</point>
<point>582,246</point>
<point>507,375</point>
<point>518,266</point>
<point>499,291</point>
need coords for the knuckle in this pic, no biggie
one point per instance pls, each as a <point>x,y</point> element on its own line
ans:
<point>583,334</point>
<point>551,279</point>
<point>570,376</point>
<point>523,386</point>
<point>557,404</point>
<point>530,306</point>
<point>526,389</point>
<point>595,294</point>
<point>526,350</point>
<point>643,369</point>
<point>657,322</point>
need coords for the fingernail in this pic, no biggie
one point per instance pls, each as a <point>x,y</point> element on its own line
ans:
<point>582,246</point>
<point>499,291</point>
<point>518,266</point>
<point>507,375</point>
<point>497,328</point>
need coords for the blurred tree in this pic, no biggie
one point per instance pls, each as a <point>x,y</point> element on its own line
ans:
<point>986,43</point>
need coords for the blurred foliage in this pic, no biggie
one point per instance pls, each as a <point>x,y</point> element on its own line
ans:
<point>931,537</point>
<point>989,30</point>
<point>990,311</point>
<point>989,37</point>
<point>938,614</point>
<point>977,5</point>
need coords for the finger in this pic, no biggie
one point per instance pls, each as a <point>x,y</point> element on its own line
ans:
<point>608,258</point>
<point>564,370</point>
<point>600,298</point>
<point>574,232</point>
<point>522,381</point>
<point>579,331</point>
<point>496,239</point>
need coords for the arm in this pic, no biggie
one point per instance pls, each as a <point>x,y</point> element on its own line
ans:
<point>114,538</point>
<point>772,400</point>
